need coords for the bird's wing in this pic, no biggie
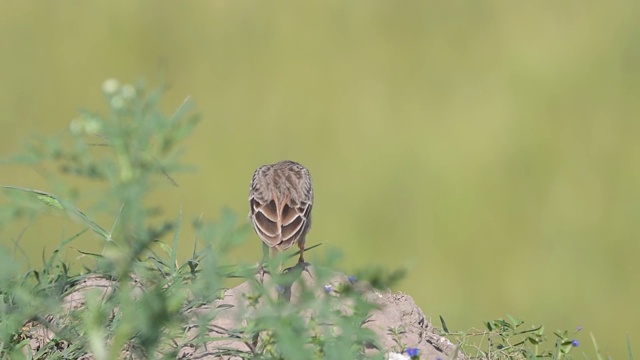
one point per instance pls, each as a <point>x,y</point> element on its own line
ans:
<point>280,224</point>
<point>295,222</point>
<point>264,217</point>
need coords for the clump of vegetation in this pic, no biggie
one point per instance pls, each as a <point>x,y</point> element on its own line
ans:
<point>136,299</point>
<point>512,339</point>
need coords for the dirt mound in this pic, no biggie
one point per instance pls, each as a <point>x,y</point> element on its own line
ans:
<point>395,311</point>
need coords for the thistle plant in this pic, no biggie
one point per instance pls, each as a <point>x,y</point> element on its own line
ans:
<point>135,298</point>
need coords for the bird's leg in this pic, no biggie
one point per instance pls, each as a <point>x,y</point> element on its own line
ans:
<point>265,258</point>
<point>301,247</point>
<point>301,258</point>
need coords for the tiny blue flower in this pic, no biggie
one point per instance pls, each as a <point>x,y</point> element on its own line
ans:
<point>280,289</point>
<point>412,352</point>
<point>575,343</point>
<point>352,279</point>
<point>579,328</point>
<point>328,288</point>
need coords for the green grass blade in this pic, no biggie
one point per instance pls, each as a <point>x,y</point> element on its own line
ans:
<point>444,325</point>
<point>174,247</point>
<point>595,346</point>
<point>57,203</point>
<point>62,245</point>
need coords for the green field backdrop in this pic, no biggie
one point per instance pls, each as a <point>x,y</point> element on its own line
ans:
<point>491,148</point>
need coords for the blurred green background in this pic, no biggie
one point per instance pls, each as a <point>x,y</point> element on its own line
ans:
<point>489,147</point>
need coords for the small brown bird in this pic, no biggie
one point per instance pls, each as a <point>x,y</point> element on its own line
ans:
<point>280,199</point>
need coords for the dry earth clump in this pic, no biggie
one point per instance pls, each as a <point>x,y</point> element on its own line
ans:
<point>394,311</point>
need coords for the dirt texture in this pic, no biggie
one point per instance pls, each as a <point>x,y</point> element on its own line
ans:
<point>395,311</point>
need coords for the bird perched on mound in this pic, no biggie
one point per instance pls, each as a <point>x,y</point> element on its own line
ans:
<point>280,201</point>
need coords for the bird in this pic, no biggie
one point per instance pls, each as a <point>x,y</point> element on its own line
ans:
<point>280,203</point>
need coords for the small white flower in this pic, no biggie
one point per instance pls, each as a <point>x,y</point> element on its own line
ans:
<point>92,126</point>
<point>85,125</point>
<point>128,92</point>
<point>117,102</point>
<point>110,86</point>
<point>396,356</point>
<point>76,126</point>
